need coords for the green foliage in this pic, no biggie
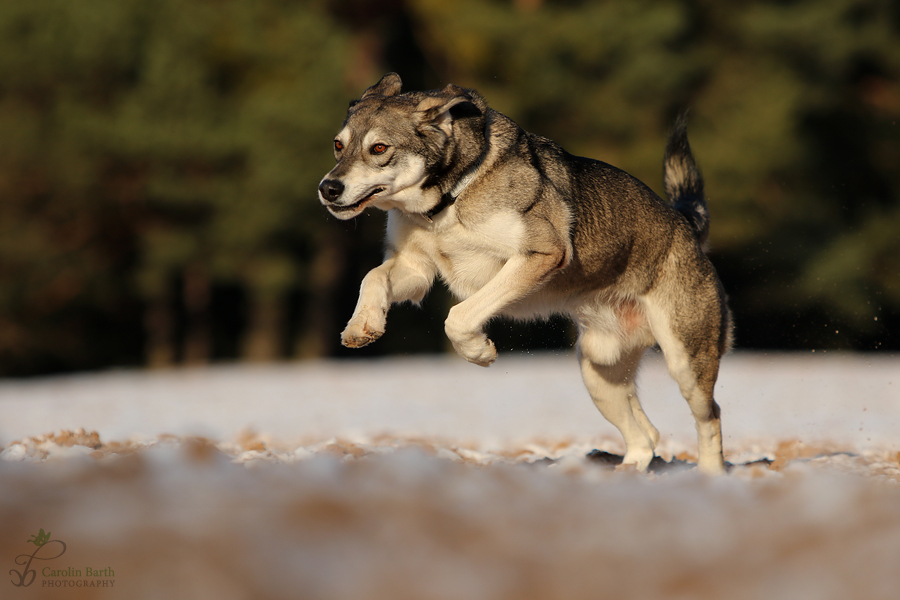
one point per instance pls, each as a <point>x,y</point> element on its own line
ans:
<point>159,158</point>
<point>140,139</point>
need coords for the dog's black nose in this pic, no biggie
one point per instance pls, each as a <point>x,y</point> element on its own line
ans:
<point>331,189</point>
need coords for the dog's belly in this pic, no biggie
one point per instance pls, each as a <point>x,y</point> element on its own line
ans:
<point>608,326</point>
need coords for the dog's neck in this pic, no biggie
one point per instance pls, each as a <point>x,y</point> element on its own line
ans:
<point>469,175</point>
<point>446,201</point>
<point>448,198</point>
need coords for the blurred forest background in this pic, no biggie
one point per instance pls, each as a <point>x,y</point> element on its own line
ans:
<point>159,161</point>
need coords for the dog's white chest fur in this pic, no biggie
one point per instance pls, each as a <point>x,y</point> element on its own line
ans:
<point>467,254</point>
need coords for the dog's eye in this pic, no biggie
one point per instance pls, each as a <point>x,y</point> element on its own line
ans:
<point>338,146</point>
<point>379,149</point>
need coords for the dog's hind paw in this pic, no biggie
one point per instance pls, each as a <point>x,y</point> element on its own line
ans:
<point>355,336</point>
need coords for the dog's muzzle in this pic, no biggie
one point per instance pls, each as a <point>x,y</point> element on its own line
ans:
<point>331,190</point>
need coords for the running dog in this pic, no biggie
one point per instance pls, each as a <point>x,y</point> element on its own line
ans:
<point>516,226</point>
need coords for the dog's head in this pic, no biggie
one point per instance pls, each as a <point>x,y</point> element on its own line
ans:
<point>396,150</point>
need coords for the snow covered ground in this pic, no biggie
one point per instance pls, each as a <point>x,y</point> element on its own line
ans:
<point>432,478</point>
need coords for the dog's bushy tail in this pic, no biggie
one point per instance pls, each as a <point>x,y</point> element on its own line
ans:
<point>684,182</point>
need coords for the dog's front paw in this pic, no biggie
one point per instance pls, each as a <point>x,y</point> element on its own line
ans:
<point>474,347</point>
<point>482,354</point>
<point>360,332</point>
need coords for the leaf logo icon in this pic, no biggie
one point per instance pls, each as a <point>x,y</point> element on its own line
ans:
<point>40,539</point>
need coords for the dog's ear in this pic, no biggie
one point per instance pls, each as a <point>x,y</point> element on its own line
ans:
<point>441,111</point>
<point>389,85</point>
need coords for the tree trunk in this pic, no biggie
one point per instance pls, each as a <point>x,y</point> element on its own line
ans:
<point>159,329</point>
<point>262,341</point>
<point>196,298</point>
<point>318,336</point>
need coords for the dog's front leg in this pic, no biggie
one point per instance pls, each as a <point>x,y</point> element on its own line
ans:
<point>397,279</point>
<point>521,275</point>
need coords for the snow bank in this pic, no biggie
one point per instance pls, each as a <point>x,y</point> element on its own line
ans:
<point>847,398</point>
<point>405,479</point>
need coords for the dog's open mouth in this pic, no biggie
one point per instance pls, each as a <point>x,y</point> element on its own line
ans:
<point>358,204</point>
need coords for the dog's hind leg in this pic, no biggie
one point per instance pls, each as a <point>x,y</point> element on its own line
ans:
<point>692,356</point>
<point>696,378</point>
<point>609,378</point>
<point>639,415</point>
